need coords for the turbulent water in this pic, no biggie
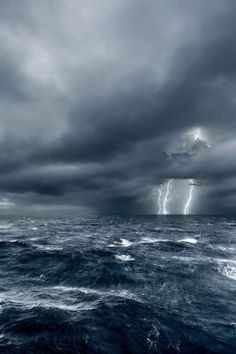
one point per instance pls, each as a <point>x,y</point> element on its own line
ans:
<point>118,285</point>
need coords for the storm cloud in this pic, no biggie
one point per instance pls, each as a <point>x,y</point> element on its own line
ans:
<point>99,101</point>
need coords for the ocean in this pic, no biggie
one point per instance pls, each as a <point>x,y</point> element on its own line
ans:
<point>115,284</point>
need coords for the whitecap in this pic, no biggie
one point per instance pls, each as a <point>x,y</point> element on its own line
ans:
<point>124,257</point>
<point>229,271</point>
<point>5,226</point>
<point>189,240</point>
<point>152,240</point>
<point>125,243</point>
<point>152,338</point>
<point>65,288</point>
<point>123,293</point>
<point>224,260</point>
<point>225,249</point>
<point>49,248</point>
<point>186,259</point>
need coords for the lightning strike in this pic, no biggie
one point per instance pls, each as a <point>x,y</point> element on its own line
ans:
<point>159,201</point>
<point>197,135</point>
<point>163,198</point>
<point>166,200</point>
<point>188,203</point>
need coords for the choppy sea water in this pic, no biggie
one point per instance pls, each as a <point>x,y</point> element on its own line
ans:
<point>117,284</point>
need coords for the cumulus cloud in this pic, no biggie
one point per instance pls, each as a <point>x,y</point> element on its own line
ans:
<point>98,99</point>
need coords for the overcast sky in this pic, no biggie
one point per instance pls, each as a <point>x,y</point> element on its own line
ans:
<point>100,101</point>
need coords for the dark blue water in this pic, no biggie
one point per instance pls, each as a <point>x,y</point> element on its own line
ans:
<point>118,285</point>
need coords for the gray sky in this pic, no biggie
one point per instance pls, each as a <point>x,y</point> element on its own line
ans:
<point>99,102</point>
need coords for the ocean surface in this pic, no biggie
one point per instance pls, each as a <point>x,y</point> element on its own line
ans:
<point>111,284</point>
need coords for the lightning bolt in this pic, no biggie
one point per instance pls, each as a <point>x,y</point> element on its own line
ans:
<point>197,134</point>
<point>166,198</point>
<point>188,203</point>
<point>159,201</point>
<point>187,206</point>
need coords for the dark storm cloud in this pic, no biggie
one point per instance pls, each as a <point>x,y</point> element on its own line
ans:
<point>97,101</point>
<point>10,79</point>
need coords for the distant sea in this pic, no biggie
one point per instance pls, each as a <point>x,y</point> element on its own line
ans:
<point>113,285</point>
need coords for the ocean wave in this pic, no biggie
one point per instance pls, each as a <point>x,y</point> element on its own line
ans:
<point>12,243</point>
<point>127,243</point>
<point>137,296</point>
<point>33,300</point>
<point>46,304</point>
